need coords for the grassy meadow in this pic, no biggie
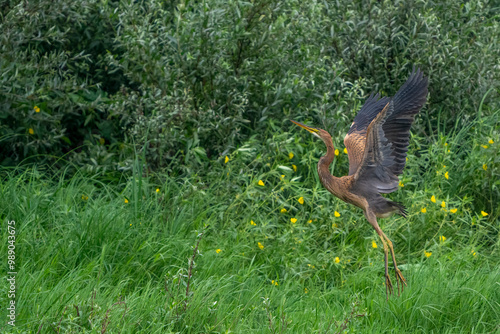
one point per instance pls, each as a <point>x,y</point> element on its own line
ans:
<point>257,245</point>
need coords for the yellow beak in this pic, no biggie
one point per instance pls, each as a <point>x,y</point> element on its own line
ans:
<point>308,128</point>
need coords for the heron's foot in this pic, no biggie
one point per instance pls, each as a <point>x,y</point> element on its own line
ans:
<point>388,286</point>
<point>400,279</point>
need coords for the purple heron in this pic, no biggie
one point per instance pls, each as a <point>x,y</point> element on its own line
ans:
<point>376,144</point>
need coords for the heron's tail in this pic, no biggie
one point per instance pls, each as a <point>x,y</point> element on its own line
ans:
<point>400,207</point>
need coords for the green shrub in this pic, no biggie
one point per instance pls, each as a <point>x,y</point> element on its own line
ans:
<point>188,81</point>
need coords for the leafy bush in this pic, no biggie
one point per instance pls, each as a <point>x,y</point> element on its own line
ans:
<point>185,80</point>
<point>54,83</point>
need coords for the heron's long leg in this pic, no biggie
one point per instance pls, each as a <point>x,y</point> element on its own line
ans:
<point>372,219</point>
<point>388,283</point>
<point>399,275</point>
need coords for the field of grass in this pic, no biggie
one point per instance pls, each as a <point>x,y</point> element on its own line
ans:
<point>257,245</point>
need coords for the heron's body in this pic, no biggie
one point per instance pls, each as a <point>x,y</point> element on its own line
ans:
<point>377,143</point>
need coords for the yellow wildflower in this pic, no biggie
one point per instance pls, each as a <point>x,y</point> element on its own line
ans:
<point>290,155</point>
<point>282,177</point>
<point>283,210</point>
<point>473,253</point>
<point>85,197</point>
<point>293,220</point>
<point>261,183</point>
<point>334,225</point>
<point>301,200</point>
<point>374,244</point>
<point>126,201</point>
<point>294,168</point>
<point>345,150</point>
<point>427,254</point>
<point>252,223</point>
<point>337,151</point>
<point>130,224</point>
<point>445,144</point>
<point>30,130</point>
<point>226,160</point>
<point>443,204</point>
<point>337,259</point>
<point>484,146</point>
<point>491,141</point>
<point>446,175</point>
<point>310,221</point>
<point>453,210</point>
<point>485,167</point>
<point>273,282</point>
<point>305,290</point>
<point>218,250</point>
<point>424,210</point>
<point>433,199</point>
<point>337,214</point>
<point>36,109</point>
<point>157,190</point>
<point>484,213</point>
<point>261,246</point>
<point>401,184</point>
<point>442,238</point>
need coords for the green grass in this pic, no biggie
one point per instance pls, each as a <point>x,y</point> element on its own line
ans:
<point>89,262</point>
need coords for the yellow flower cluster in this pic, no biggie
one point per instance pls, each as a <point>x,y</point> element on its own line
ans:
<point>374,244</point>
<point>218,250</point>
<point>273,282</point>
<point>301,200</point>
<point>261,183</point>
<point>283,210</point>
<point>293,220</point>
<point>427,254</point>
<point>336,214</point>
<point>290,155</point>
<point>36,109</point>
<point>442,238</point>
<point>261,246</point>
<point>337,259</point>
<point>252,223</point>
<point>226,160</point>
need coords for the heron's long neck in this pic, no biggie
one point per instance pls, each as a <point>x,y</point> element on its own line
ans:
<point>327,179</point>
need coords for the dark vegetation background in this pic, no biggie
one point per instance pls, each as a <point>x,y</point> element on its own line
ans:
<point>185,82</point>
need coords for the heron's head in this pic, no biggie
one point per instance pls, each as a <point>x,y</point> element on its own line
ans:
<point>320,133</point>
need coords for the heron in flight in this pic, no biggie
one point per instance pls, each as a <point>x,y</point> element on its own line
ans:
<point>376,144</point>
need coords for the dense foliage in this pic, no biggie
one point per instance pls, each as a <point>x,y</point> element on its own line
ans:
<point>93,81</point>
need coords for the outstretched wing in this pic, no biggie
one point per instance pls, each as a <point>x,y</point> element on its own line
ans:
<point>355,139</point>
<point>388,136</point>
<point>407,103</point>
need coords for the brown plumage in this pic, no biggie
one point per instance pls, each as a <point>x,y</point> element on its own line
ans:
<point>376,144</point>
